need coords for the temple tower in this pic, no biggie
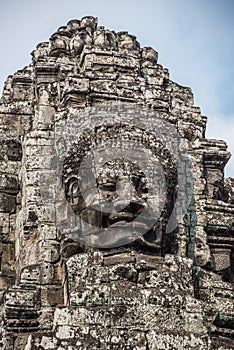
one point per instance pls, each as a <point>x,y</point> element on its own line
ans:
<point>116,222</point>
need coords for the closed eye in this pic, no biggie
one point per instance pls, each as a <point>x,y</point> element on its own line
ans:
<point>109,187</point>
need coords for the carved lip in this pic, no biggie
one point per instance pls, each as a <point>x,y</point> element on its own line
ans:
<point>120,215</point>
<point>119,223</point>
<point>137,225</point>
<point>125,218</point>
<point>120,218</point>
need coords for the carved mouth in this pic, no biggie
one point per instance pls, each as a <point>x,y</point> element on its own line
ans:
<point>125,219</point>
<point>119,219</point>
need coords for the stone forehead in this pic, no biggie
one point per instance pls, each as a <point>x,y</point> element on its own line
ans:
<point>104,139</point>
<point>118,167</point>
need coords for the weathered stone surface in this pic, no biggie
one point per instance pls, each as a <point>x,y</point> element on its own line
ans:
<point>65,283</point>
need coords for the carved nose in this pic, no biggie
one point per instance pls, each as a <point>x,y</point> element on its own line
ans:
<point>126,189</point>
<point>128,199</point>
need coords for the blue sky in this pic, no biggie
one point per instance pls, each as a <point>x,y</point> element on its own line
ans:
<point>194,38</point>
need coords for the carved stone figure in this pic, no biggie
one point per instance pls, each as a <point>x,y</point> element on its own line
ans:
<point>122,186</point>
<point>116,222</point>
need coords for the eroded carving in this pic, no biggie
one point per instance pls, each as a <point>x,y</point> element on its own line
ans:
<point>167,290</point>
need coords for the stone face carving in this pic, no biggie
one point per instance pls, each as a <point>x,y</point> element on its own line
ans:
<point>131,183</point>
<point>123,187</point>
<point>167,287</point>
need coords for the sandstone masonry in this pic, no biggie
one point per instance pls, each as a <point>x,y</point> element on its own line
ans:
<point>164,290</point>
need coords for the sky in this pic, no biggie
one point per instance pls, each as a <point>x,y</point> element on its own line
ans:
<point>194,39</point>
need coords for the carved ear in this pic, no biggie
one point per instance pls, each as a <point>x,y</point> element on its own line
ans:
<point>70,185</point>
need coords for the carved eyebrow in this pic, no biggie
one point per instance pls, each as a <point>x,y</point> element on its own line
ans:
<point>111,186</point>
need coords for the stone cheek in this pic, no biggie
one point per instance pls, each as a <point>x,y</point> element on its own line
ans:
<point>170,292</point>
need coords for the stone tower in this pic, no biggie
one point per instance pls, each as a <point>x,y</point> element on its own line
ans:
<point>116,222</point>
